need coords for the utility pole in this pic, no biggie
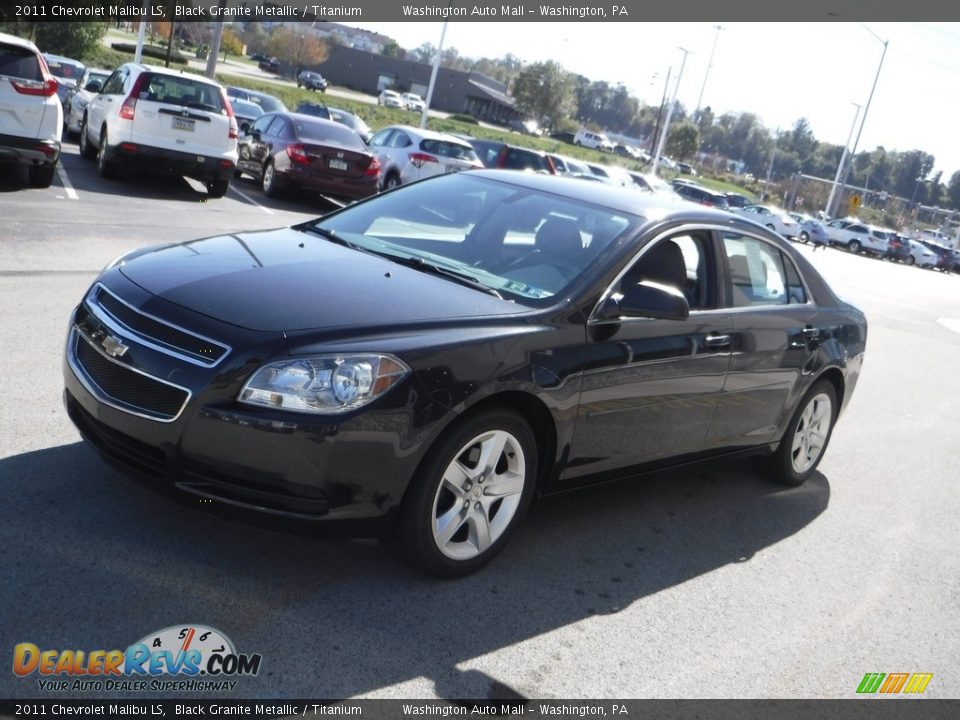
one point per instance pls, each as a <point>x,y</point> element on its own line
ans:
<point>433,78</point>
<point>663,101</point>
<point>843,159</point>
<point>141,33</point>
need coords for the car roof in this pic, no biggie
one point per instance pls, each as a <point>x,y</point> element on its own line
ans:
<point>14,40</point>
<point>158,70</point>
<point>425,134</point>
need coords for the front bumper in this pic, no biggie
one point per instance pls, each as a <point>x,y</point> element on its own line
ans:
<point>346,473</point>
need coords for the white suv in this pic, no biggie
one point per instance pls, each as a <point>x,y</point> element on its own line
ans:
<point>31,117</point>
<point>164,121</point>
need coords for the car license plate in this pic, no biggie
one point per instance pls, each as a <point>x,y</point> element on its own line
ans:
<point>180,123</point>
<point>338,164</point>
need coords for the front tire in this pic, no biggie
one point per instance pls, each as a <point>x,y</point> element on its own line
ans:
<point>470,494</point>
<point>804,237</point>
<point>807,436</point>
<point>854,247</point>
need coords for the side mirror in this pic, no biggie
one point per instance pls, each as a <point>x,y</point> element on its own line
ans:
<point>93,86</point>
<point>245,128</point>
<point>653,300</point>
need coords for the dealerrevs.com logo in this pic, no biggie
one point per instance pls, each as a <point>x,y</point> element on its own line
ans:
<point>198,657</point>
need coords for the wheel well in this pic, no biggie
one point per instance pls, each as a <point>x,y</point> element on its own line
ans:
<point>835,378</point>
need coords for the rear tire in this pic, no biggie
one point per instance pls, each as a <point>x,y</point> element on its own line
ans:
<point>470,494</point>
<point>217,188</point>
<point>910,260</point>
<point>87,151</point>
<point>806,438</point>
<point>268,181</point>
<point>804,237</point>
<point>105,168</point>
<point>854,247</point>
<point>41,176</point>
<point>391,181</point>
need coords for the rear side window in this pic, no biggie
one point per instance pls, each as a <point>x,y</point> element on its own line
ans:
<point>175,90</point>
<point>760,274</point>
<point>444,148</point>
<point>19,62</point>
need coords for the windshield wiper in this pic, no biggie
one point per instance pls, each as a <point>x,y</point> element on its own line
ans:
<point>418,263</point>
<point>332,236</point>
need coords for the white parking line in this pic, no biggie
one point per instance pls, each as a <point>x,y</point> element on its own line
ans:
<point>67,185</point>
<point>250,200</point>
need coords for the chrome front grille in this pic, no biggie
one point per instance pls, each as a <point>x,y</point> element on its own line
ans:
<point>122,387</point>
<point>154,332</point>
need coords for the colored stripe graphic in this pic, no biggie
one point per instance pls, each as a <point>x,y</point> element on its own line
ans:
<point>918,682</point>
<point>870,682</point>
<point>894,682</point>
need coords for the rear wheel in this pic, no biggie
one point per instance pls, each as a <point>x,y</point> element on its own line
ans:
<point>41,176</point>
<point>910,260</point>
<point>804,236</point>
<point>269,181</point>
<point>105,168</point>
<point>218,188</point>
<point>392,180</point>
<point>470,494</point>
<point>87,151</point>
<point>854,246</point>
<point>807,435</point>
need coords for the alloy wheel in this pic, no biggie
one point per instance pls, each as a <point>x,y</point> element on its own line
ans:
<point>811,434</point>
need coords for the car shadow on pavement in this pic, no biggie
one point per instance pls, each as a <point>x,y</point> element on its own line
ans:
<point>92,560</point>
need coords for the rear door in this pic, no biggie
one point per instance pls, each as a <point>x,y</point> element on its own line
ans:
<point>181,113</point>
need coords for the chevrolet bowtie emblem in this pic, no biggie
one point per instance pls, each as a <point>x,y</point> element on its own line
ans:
<point>114,346</point>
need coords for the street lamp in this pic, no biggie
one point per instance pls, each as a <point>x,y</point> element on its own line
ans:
<point>843,159</point>
<point>915,189</point>
<point>863,121</point>
<point>666,122</point>
<point>703,87</point>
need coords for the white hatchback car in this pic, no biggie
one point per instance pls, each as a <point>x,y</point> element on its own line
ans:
<point>407,154</point>
<point>31,117</point>
<point>390,98</point>
<point>164,121</point>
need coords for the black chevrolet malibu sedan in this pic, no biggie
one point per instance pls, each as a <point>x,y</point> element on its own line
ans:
<point>430,359</point>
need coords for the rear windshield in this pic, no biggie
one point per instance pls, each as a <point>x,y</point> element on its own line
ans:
<point>445,148</point>
<point>65,69</point>
<point>19,62</point>
<point>520,159</point>
<point>177,90</point>
<point>267,102</point>
<point>323,133</point>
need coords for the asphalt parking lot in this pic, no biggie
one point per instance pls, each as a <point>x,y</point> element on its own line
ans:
<point>702,583</point>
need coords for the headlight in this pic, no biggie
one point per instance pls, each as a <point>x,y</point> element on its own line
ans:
<point>328,384</point>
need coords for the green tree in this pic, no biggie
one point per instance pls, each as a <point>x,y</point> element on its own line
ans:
<point>683,141</point>
<point>391,49</point>
<point>953,190</point>
<point>425,53</point>
<point>297,49</point>
<point>231,43</point>
<point>70,39</point>
<point>545,91</point>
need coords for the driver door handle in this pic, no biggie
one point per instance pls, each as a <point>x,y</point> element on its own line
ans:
<point>712,342</point>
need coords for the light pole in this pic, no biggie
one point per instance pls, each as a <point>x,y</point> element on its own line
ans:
<point>843,159</point>
<point>666,121</point>
<point>663,101</point>
<point>433,77</point>
<point>713,49</point>
<point>863,120</point>
<point>773,155</point>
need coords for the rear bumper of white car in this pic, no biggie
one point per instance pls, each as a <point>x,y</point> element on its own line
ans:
<point>29,151</point>
<point>173,162</point>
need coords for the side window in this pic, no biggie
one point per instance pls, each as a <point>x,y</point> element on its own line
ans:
<point>683,262</point>
<point>399,140</point>
<point>114,84</point>
<point>757,274</point>
<point>261,124</point>
<point>380,138</point>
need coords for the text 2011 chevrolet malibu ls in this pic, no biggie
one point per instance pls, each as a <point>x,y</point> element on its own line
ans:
<point>429,359</point>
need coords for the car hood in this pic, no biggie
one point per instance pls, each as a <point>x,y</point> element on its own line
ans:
<point>285,280</point>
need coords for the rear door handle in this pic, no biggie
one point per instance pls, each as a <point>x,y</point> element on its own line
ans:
<point>712,342</point>
<point>810,333</point>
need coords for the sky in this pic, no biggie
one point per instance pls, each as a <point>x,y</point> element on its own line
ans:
<point>779,71</point>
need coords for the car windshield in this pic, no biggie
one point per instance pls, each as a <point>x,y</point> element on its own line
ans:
<point>527,245</point>
<point>267,102</point>
<point>64,69</point>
